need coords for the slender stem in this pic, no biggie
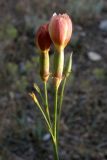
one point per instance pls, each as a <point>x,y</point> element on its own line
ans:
<point>60,105</point>
<point>47,122</point>
<point>56,157</point>
<point>55,124</point>
<point>61,97</point>
<point>46,102</point>
<point>46,96</point>
<point>55,120</point>
<point>42,98</point>
<point>55,112</point>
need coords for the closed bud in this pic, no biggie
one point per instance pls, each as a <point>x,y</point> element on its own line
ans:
<point>43,42</point>
<point>60,30</point>
<point>42,38</point>
<point>34,97</point>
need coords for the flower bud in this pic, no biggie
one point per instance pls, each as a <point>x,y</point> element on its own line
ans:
<point>34,98</point>
<point>60,30</point>
<point>42,38</point>
<point>43,42</point>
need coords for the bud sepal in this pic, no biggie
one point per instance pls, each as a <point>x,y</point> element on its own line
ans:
<point>44,66</point>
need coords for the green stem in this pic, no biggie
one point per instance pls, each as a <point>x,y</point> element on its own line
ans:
<point>55,125</point>
<point>60,105</point>
<point>56,157</point>
<point>47,122</point>
<point>42,98</point>
<point>46,97</point>
<point>46,102</point>
<point>55,112</point>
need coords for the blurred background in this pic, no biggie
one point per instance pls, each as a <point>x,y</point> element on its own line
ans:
<point>83,128</point>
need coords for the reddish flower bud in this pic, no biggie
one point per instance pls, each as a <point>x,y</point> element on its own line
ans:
<point>43,42</point>
<point>42,38</point>
<point>60,30</point>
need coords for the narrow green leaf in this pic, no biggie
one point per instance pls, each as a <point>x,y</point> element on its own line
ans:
<point>37,88</point>
<point>68,66</point>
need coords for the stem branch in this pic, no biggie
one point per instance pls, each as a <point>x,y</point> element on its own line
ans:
<point>60,105</point>
<point>46,102</point>
<point>55,112</point>
<point>46,120</point>
<point>55,146</point>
